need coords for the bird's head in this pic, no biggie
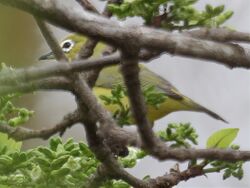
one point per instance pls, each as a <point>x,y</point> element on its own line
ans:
<point>71,46</point>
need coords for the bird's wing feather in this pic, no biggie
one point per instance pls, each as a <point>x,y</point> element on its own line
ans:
<point>150,78</point>
<point>109,77</point>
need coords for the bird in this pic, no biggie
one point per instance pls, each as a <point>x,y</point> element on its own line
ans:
<point>110,76</point>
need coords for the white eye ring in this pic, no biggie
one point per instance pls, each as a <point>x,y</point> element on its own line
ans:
<point>67,45</point>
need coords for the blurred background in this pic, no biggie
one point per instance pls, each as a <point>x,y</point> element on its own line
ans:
<point>225,91</point>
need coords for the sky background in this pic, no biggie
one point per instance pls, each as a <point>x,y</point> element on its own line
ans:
<point>218,88</point>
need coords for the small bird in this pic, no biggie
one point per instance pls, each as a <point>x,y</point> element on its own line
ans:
<point>109,77</point>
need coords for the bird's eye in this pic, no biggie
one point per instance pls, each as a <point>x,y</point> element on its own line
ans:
<point>67,45</point>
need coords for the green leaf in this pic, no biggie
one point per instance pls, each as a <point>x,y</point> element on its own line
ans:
<point>209,9</point>
<point>42,162</point>
<point>227,174</point>
<point>54,142</point>
<point>85,150</point>
<point>222,138</point>
<point>47,152</point>
<point>218,10</point>
<point>5,159</point>
<point>57,163</point>
<point>11,144</point>
<point>69,145</point>
<point>60,172</point>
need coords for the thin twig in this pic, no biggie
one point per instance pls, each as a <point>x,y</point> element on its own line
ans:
<point>51,41</point>
<point>21,133</point>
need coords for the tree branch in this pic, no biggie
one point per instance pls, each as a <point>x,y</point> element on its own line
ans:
<point>59,83</point>
<point>219,34</point>
<point>87,5</point>
<point>104,29</point>
<point>64,69</point>
<point>130,72</point>
<point>175,177</point>
<point>88,48</point>
<point>21,133</point>
<point>213,154</point>
<point>91,112</point>
<point>51,41</point>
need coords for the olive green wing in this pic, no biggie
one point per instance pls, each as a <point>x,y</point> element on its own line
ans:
<point>149,78</point>
<point>109,77</point>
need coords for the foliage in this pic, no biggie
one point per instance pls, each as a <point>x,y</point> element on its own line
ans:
<point>229,169</point>
<point>172,14</point>
<point>123,113</point>
<point>222,139</point>
<point>153,97</point>
<point>179,134</point>
<point>9,113</point>
<point>67,164</point>
<point>70,164</point>
<point>61,164</point>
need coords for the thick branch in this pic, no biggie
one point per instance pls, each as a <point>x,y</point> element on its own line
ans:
<point>66,69</point>
<point>104,154</point>
<point>52,83</point>
<point>93,113</point>
<point>213,154</point>
<point>219,34</point>
<point>104,29</point>
<point>175,177</point>
<point>56,69</point>
<point>130,72</point>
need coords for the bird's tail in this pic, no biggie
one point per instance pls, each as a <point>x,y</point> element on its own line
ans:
<point>199,108</point>
<point>212,114</point>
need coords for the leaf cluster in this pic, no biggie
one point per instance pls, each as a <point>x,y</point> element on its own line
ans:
<point>172,14</point>
<point>223,139</point>
<point>179,135</point>
<point>229,169</point>
<point>61,164</point>
<point>123,112</point>
<point>9,113</point>
<point>68,164</point>
<point>153,97</point>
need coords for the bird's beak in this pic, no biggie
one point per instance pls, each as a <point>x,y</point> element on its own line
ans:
<point>47,56</point>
